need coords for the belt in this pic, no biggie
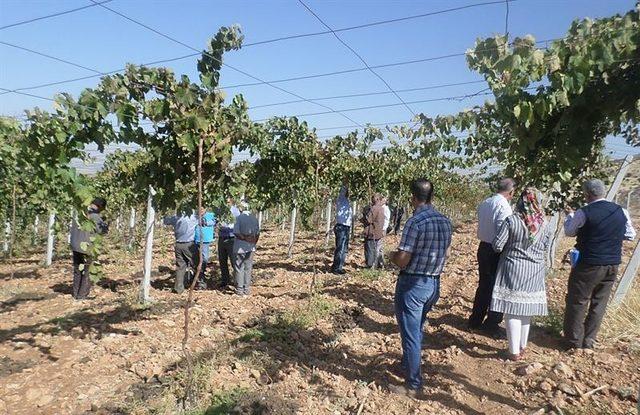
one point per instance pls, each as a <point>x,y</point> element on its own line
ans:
<point>413,274</point>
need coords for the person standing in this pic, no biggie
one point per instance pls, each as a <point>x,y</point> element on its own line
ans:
<point>385,230</point>
<point>226,240</point>
<point>398,213</point>
<point>491,213</point>
<point>342,231</point>
<point>184,227</point>
<point>421,257</point>
<point>373,221</point>
<point>247,233</point>
<point>81,241</point>
<point>519,292</point>
<point>600,227</point>
<point>204,232</point>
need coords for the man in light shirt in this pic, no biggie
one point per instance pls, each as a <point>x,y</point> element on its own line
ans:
<point>491,214</point>
<point>247,232</point>
<point>226,240</point>
<point>342,229</point>
<point>601,227</point>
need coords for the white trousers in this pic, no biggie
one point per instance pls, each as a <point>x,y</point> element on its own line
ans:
<point>517,332</point>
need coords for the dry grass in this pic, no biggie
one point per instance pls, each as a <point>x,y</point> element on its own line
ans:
<point>623,322</point>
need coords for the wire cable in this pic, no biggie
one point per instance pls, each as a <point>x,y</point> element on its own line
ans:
<point>77,65</point>
<point>221,63</point>
<point>358,56</point>
<point>48,16</point>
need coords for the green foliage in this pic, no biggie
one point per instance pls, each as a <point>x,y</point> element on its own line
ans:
<point>553,107</point>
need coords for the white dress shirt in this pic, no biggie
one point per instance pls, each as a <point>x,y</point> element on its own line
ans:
<point>387,217</point>
<point>491,213</point>
<point>576,220</point>
<point>343,209</point>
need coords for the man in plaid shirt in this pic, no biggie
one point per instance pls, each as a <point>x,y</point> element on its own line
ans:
<point>421,256</point>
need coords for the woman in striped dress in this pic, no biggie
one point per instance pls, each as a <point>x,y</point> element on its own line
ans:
<point>520,291</point>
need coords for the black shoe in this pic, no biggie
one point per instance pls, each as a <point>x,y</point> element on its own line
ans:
<point>338,272</point>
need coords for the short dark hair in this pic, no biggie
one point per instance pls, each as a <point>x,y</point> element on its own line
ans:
<point>100,202</point>
<point>422,189</point>
<point>506,184</point>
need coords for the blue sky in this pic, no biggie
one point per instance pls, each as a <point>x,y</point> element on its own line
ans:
<point>103,41</point>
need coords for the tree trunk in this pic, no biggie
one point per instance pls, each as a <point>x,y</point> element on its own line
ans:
<point>50,236</point>
<point>292,232</point>
<point>148,249</point>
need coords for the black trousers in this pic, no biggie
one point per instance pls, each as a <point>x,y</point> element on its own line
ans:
<point>225,255</point>
<point>81,280</point>
<point>371,252</point>
<point>588,294</point>
<point>185,258</point>
<point>487,267</point>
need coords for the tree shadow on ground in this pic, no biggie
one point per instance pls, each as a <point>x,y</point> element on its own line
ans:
<point>14,302</point>
<point>365,295</point>
<point>20,274</point>
<point>291,346</point>
<point>85,323</point>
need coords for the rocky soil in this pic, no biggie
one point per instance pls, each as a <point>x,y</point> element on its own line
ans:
<point>282,350</point>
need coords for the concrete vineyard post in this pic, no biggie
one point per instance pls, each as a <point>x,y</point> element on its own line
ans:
<point>622,172</point>
<point>34,237</point>
<point>260,220</point>
<point>132,226</point>
<point>292,232</point>
<point>328,227</point>
<point>148,249</point>
<point>74,217</point>
<point>50,237</point>
<point>354,218</point>
<point>7,235</point>
<point>627,278</point>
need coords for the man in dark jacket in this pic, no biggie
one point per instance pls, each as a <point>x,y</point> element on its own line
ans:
<point>600,227</point>
<point>81,241</point>
<point>373,221</point>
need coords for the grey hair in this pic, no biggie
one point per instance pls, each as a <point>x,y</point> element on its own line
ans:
<point>506,184</point>
<point>594,188</point>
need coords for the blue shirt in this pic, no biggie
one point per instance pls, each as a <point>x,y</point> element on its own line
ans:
<point>426,236</point>
<point>226,230</point>
<point>343,209</point>
<point>184,227</point>
<point>208,222</point>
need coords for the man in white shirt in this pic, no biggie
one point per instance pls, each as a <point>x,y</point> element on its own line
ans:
<point>387,214</point>
<point>342,229</point>
<point>385,229</point>
<point>247,232</point>
<point>491,214</point>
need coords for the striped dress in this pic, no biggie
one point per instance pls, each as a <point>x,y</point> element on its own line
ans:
<point>520,286</point>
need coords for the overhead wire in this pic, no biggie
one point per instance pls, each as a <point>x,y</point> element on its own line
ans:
<point>221,63</point>
<point>48,16</point>
<point>359,56</point>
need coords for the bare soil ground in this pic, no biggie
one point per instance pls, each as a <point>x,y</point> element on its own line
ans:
<point>281,350</point>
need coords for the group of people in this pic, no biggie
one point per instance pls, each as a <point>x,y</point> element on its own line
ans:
<point>514,238</point>
<point>376,220</point>
<point>512,269</point>
<point>237,240</point>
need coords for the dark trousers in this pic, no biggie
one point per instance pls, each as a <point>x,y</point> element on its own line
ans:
<point>225,255</point>
<point>81,280</point>
<point>487,267</point>
<point>371,252</point>
<point>414,297</point>
<point>185,256</point>
<point>202,281</point>
<point>342,246</point>
<point>588,293</point>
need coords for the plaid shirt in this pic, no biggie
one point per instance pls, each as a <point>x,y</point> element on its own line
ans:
<point>427,236</point>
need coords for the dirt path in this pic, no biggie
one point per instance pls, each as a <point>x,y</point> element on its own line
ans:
<point>281,351</point>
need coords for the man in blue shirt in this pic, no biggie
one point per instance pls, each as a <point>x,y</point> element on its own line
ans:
<point>203,237</point>
<point>184,226</point>
<point>421,256</point>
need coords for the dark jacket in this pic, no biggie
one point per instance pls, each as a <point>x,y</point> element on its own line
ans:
<point>78,236</point>
<point>373,222</point>
<point>600,239</point>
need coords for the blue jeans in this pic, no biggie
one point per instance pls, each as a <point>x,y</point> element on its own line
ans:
<point>414,297</point>
<point>342,246</point>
